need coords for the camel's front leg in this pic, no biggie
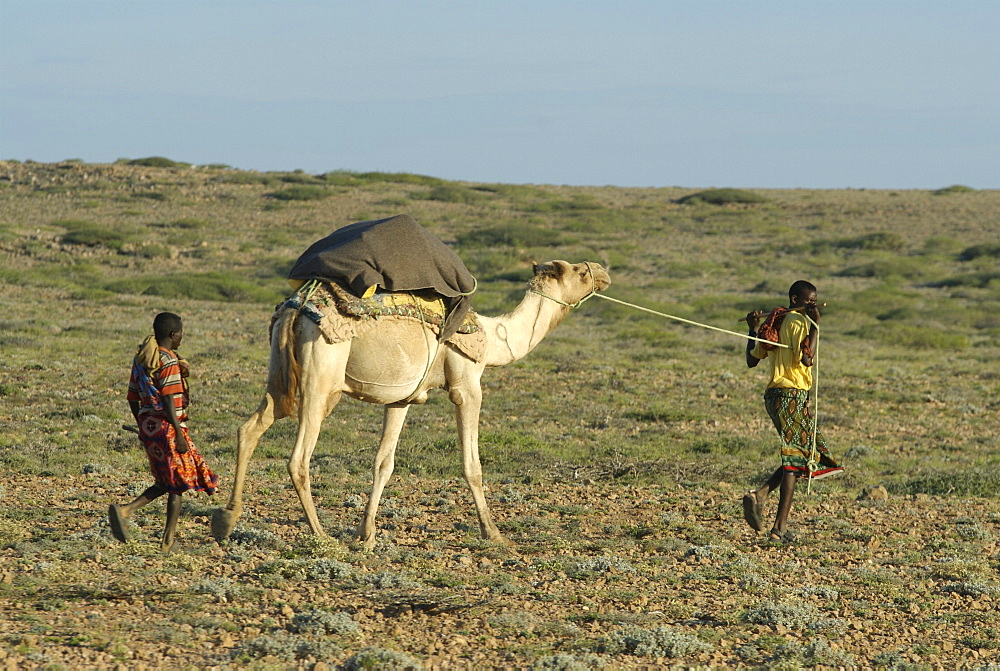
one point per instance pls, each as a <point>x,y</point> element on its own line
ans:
<point>247,436</point>
<point>468,401</point>
<point>385,461</point>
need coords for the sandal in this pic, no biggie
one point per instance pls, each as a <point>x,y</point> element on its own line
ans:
<point>752,511</point>
<point>119,525</point>
<point>778,537</point>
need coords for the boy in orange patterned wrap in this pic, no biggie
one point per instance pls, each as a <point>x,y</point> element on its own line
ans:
<point>158,399</point>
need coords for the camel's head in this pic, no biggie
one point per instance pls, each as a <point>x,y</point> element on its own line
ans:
<point>569,282</point>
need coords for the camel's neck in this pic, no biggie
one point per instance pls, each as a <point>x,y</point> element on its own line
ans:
<point>511,336</point>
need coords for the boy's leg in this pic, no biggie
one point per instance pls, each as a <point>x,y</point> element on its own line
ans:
<point>785,495</point>
<point>753,501</point>
<point>770,485</point>
<point>173,514</point>
<point>118,515</point>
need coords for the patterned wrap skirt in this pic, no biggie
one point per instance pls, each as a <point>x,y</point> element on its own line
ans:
<point>790,413</point>
<point>177,473</point>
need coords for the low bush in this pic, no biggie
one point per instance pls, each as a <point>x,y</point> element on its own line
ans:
<point>157,162</point>
<point>511,235</point>
<point>722,197</point>
<point>89,234</point>
<point>301,192</point>
<point>658,642</point>
<point>974,252</point>
<point>324,623</point>
<point>379,658</point>
<point>454,193</point>
<point>954,188</point>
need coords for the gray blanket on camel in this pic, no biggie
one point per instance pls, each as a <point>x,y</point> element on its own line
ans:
<point>397,254</point>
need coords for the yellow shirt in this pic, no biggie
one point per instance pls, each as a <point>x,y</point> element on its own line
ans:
<point>787,371</point>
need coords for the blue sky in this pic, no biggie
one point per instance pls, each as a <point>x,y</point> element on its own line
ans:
<point>805,93</point>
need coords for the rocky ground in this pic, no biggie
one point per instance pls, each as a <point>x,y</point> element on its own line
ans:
<point>602,575</point>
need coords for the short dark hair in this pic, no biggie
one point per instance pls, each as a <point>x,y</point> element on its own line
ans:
<point>166,323</point>
<point>800,288</point>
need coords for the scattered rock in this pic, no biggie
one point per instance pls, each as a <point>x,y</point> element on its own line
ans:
<point>876,493</point>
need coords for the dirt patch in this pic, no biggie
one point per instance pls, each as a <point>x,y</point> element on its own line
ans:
<point>603,575</point>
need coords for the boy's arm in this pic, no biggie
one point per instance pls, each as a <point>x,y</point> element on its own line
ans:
<point>752,317</point>
<point>809,344</point>
<point>171,411</point>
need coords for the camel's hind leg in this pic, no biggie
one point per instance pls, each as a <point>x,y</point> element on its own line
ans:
<point>320,390</point>
<point>385,461</point>
<point>247,436</point>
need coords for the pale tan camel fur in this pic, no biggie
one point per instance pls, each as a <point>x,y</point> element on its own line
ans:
<point>394,364</point>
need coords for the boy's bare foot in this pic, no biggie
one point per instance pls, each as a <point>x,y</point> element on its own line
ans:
<point>752,511</point>
<point>118,522</point>
<point>166,546</point>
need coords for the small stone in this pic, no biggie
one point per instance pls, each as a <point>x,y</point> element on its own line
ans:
<point>876,493</point>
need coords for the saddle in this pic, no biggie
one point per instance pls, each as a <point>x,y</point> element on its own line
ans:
<point>341,315</point>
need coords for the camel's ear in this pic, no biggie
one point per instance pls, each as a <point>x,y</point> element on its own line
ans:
<point>534,267</point>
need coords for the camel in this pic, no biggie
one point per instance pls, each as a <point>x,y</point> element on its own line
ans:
<point>395,364</point>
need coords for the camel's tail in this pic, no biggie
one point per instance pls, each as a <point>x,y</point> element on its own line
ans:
<point>284,373</point>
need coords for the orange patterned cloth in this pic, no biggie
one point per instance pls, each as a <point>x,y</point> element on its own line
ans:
<point>173,471</point>
<point>771,327</point>
<point>177,473</point>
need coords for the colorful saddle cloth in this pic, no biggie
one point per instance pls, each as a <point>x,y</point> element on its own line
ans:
<point>339,313</point>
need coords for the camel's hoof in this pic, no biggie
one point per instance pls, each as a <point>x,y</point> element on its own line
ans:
<point>223,522</point>
<point>500,540</point>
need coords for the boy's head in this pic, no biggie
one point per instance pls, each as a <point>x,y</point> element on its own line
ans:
<point>167,326</point>
<point>801,292</point>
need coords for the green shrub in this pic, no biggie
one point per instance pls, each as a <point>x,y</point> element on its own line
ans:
<point>658,642</point>
<point>301,177</point>
<point>511,235</point>
<point>954,188</point>
<point>590,567</point>
<point>286,648</point>
<point>911,335</point>
<point>90,234</point>
<point>299,192</point>
<point>796,615</point>
<point>969,482</point>
<point>569,662</point>
<point>882,240</point>
<point>243,177</point>
<point>577,203</point>
<point>722,197</point>
<point>324,623</point>
<point>978,280</point>
<point>187,223</point>
<point>399,178</point>
<point>379,658</point>
<point>150,195</point>
<point>454,193</point>
<point>908,267</point>
<point>198,286</point>
<point>976,251</point>
<point>157,162</point>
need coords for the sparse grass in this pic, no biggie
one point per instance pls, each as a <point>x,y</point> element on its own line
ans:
<point>615,453</point>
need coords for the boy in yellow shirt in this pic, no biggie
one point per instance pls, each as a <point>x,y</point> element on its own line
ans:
<point>787,401</point>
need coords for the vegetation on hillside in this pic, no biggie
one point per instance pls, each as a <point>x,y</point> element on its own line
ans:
<point>615,452</point>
